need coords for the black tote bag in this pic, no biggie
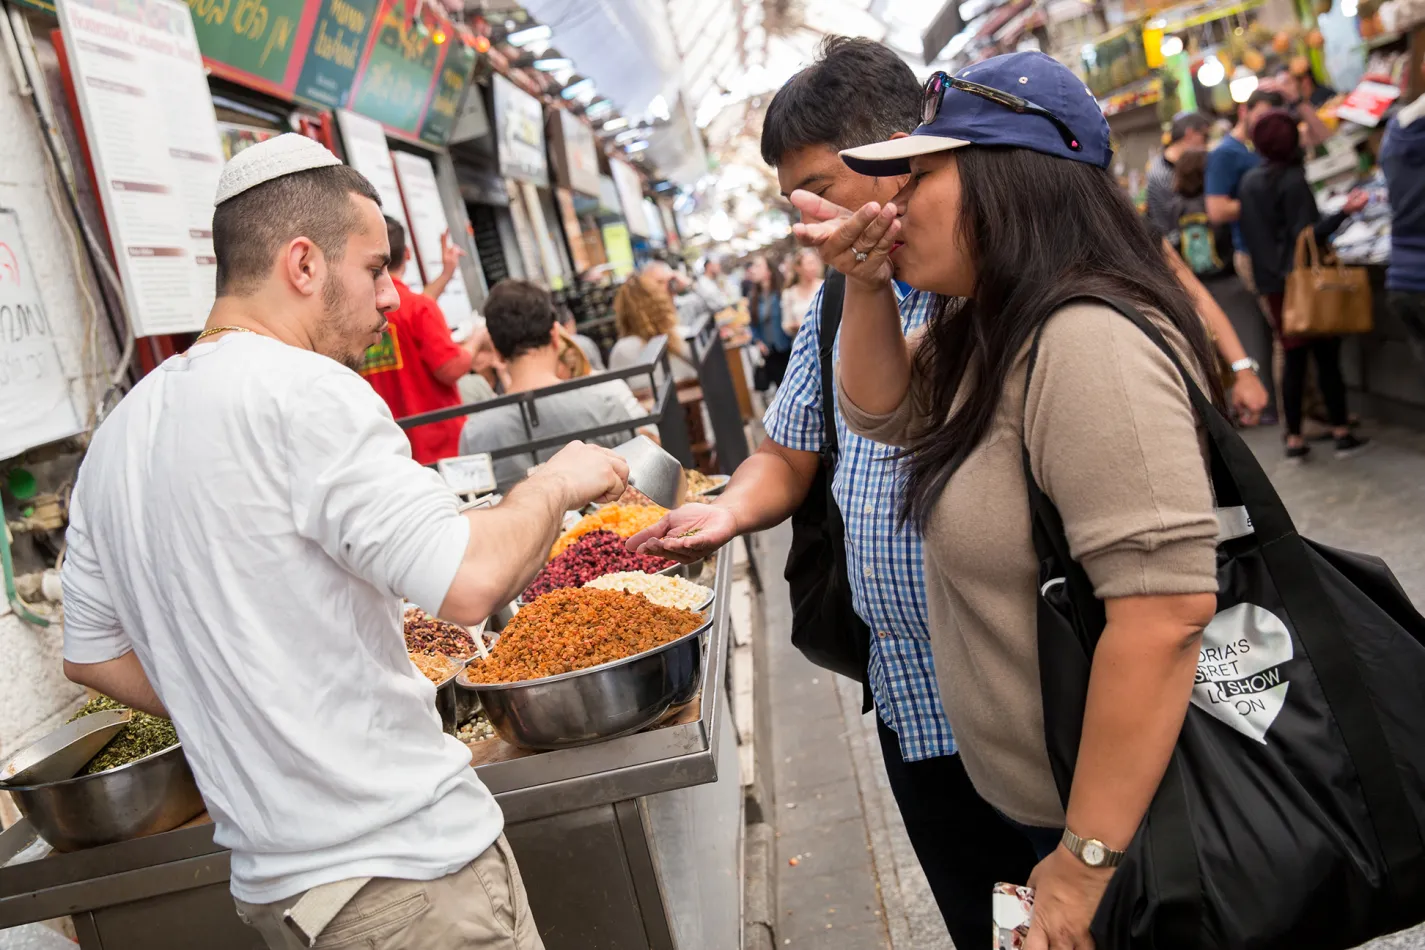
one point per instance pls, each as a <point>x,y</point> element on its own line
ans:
<point>825,627</point>
<point>1291,812</point>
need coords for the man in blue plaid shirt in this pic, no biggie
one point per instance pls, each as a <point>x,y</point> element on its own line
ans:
<point>860,92</point>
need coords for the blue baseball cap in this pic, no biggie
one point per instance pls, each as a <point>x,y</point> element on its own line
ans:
<point>1023,100</point>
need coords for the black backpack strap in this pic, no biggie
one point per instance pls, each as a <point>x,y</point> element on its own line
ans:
<point>832,299</point>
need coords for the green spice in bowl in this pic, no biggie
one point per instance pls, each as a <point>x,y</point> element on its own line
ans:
<point>144,735</point>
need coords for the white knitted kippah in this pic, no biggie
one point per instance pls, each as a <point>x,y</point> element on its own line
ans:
<point>283,155</point>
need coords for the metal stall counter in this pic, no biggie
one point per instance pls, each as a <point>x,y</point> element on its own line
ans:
<point>628,843</point>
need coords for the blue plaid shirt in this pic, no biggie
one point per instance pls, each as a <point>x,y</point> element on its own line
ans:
<point>884,564</point>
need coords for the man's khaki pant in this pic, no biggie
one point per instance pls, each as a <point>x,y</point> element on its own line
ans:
<point>480,907</point>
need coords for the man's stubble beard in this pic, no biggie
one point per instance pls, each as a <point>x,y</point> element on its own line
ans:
<point>334,334</point>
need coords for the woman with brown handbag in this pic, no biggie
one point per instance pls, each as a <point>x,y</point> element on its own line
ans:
<point>1277,205</point>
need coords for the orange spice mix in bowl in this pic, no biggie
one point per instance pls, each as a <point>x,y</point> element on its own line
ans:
<point>575,628</point>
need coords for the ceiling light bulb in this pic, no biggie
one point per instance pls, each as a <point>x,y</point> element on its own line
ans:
<point>1243,84</point>
<point>1172,46</point>
<point>1211,72</point>
<point>526,37</point>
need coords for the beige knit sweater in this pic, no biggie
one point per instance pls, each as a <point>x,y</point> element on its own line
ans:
<point>1114,444</point>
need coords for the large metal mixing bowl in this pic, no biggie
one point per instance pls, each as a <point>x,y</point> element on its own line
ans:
<point>146,796</point>
<point>602,702</point>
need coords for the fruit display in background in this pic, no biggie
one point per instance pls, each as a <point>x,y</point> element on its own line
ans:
<point>1281,43</point>
<point>1314,39</point>
<point>1254,60</point>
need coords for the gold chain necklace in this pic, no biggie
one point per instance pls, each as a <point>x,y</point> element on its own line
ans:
<point>214,330</point>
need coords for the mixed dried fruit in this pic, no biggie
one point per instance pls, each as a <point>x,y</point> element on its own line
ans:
<point>698,483</point>
<point>593,555</point>
<point>476,730</point>
<point>623,520</point>
<point>427,634</point>
<point>435,667</point>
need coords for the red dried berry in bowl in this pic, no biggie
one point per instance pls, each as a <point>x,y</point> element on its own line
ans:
<point>594,555</point>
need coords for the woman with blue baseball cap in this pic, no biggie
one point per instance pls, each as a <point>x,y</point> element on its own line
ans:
<point>1011,215</point>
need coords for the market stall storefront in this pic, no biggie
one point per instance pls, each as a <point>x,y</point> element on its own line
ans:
<point>630,842</point>
<point>1384,369</point>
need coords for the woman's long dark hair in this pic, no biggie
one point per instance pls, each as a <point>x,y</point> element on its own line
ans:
<point>774,285</point>
<point>1041,231</point>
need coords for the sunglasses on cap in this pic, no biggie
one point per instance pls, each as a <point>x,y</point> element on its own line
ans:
<point>934,94</point>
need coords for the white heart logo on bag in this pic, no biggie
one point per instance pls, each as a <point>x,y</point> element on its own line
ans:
<point>1241,678</point>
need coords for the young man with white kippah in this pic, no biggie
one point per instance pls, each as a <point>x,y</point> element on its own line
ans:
<point>243,531</point>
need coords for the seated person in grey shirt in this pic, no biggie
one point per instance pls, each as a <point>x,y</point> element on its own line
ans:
<point>522,322</point>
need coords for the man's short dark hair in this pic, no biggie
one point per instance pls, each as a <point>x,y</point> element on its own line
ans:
<point>1270,96</point>
<point>856,93</point>
<point>1182,125</point>
<point>519,316</point>
<point>396,237</point>
<point>249,228</point>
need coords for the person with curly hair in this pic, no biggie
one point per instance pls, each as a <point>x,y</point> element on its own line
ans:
<point>644,310</point>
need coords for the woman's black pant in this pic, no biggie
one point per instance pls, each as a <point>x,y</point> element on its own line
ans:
<point>1326,351</point>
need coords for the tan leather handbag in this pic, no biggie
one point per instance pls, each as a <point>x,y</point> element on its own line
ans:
<point>1323,296</point>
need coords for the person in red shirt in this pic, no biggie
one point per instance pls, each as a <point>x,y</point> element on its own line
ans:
<point>416,365</point>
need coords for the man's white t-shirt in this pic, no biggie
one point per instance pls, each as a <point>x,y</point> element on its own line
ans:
<point>247,522</point>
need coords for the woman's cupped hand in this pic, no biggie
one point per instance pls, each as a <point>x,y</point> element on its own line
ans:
<point>859,245</point>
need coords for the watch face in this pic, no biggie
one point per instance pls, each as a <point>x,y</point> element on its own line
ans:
<point>1093,853</point>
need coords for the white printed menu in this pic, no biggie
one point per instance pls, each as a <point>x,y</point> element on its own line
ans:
<point>368,153</point>
<point>153,139</point>
<point>428,223</point>
<point>37,404</point>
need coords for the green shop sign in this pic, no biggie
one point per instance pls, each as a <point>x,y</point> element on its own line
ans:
<point>370,56</point>
<point>254,38</point>
<point>338,40</point>
<point>400,69</point>
<point>449,91</point>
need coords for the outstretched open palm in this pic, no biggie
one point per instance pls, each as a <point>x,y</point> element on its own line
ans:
<point>859,245</point>
<point>688,533</point>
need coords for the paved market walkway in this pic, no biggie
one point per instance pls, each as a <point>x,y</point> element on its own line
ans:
<point>846,878</point>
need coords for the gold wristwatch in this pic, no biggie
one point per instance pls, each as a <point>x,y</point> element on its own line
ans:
<point>1091,851</point>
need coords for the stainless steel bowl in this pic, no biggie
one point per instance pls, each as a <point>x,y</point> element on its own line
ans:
<point>146,796</point>
<point>602,702</point>
<point>445,700</point>
<point>466,704</point>
<point>721,483</point>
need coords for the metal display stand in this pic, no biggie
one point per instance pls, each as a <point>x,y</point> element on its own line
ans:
<point>629,843</point>
<point>719,398</point>
<point>666,414</point>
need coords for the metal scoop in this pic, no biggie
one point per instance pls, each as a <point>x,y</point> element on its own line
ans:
<point>652,471</point>
<point>65,751</point>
